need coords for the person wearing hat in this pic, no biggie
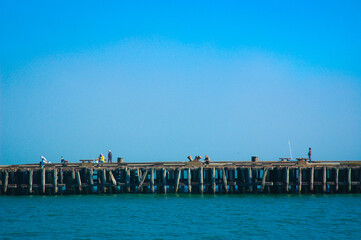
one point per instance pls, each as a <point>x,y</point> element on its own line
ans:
<point>43,161</point>
<point>110,155</point>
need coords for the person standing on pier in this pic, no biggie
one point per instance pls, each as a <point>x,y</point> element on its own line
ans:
<point>43,161</point>
<point>309,153</point>
<point>110,155</point>
<point>207,160</point>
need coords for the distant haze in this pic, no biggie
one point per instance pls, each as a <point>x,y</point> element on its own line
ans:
<point>150,92</point>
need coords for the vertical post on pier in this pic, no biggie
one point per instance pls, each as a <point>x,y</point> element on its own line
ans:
<point>265,172</point>
<point>30,181</point>
<point>91,181</point>
<point>360,179</point>
<point>231,175</point>
<point>189,180</point>
<point>139,171</point>
<point>349,179</point>
<point>61,176</point>
<point>214,180</point>
<point>112,178</point>
<point>127,179</point>
<point>336,179</point>
<point>152,180</point>
<point>177,180</point>
<point>225,184</point>
<point>299,180</point>
<point>312,178</point>
<point>287,179</point>
<point>250,183</point>
<point>240,180</point>
<point>42,171</point>
<point>6,181</point>
<point>78,180</point>
<point>55,180</point>
<point>73,173</point>
<point>200,180</point>
<point>324,179</point>
<point>164,176</point>
<point>104,180</point>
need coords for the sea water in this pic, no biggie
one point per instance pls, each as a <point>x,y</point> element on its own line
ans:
<point>181,216</point>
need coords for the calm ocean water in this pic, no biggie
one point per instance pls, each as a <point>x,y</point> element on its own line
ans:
<point>181,216</point>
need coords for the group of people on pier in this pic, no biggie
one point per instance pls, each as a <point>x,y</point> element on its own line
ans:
<point>101,158</point>
<point>198,158</point>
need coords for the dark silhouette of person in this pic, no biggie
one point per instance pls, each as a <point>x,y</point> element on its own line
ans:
<point>110,156</point>
<point>309,153</point>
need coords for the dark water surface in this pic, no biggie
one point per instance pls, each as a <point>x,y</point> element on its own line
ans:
<point>181,216</point>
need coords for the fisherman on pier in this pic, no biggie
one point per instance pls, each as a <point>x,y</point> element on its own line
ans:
<point>101,158</point>
<point>190,158</point>
<point>207,160</point>
<point>110,155</point>
<point>309,153</point>
<point>63,161</point>
<point>43,161</point>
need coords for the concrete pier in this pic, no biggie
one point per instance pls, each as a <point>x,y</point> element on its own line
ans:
<point>182,177</point>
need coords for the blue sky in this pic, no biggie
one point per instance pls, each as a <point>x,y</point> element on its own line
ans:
<point>158,81</point>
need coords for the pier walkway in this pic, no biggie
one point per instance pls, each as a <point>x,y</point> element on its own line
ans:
<point>182,177</point>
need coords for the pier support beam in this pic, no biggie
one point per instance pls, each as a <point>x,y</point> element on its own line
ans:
<point>265,172</point>
<point>214,180</point>
<point>336,179</point>
<point>200,180</point>
<point>324,179</point>
<point>55,180</point>
<point>61,176</point>
<point>78,180</point>
<point>42,172</point>
<point>104,181</point>
<point>189,180</point>
<point>112,178</point>
<point>250,183</point>
<point>312,174</point>
<point>31,173</point>
<point>152,180</point>
<point>177,180</point>
<point>224,177</point>
<point>91,181</point>
<point>127,180</point>
<point>140,188</point>
<point>349,184</point>
<point>6,181</point>
<point>299,180</point>
<point>287,179</point>
<point>231,175</point>
<point>164,177</point>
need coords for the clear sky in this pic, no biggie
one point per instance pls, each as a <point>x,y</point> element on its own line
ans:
<point>158,81</point>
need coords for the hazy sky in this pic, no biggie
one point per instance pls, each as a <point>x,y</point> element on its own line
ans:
<point>158,81</point>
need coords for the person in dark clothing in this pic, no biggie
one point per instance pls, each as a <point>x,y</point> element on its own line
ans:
<point>309,153</point>
<point>63,161</point>
<point>110,155</point>
<point>207,160</point>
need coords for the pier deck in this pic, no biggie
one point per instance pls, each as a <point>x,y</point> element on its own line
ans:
<point>235,177</point>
